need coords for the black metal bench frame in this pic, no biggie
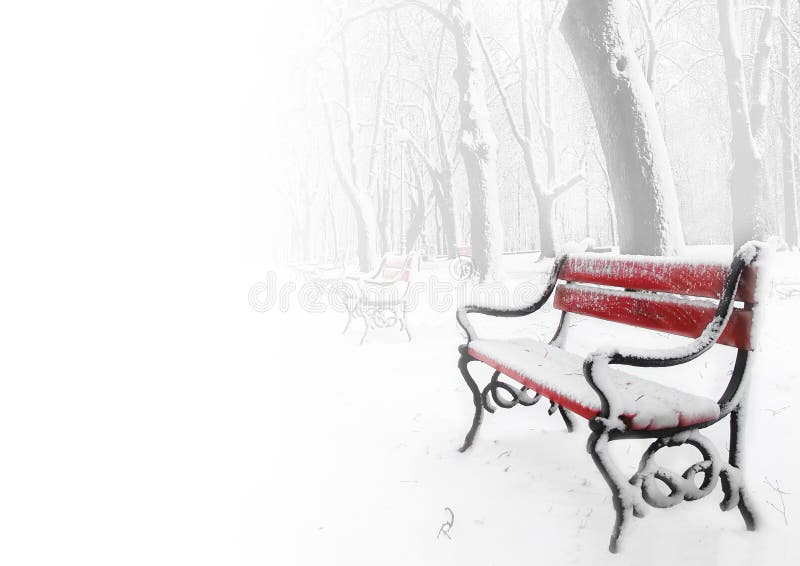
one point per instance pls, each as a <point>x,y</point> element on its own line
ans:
<point>366,300</point>
<point>630,494</point>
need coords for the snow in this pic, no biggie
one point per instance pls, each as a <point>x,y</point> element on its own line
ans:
<point>667,298</point>
<point>682,486</point>
<point>695,257</point>
<point>574,248</point>
<point>648,405</point>
<point>348,454</point>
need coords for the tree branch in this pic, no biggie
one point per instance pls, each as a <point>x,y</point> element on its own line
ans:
<point>687,73</point>
<point>348,106</point>
<point>561,188</point>
<point>406,137</point>
<point>390,7</point>
<point>521,140</point>
<point>759,84</point>
<point>379,109</point>
<point>789,32</point>
<point>346,183</point>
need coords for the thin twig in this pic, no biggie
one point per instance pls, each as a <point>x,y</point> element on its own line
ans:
<point>776,411</point>
<point>781,493</point>
<point>447,525</point>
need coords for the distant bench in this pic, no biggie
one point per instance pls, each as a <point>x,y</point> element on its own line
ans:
<point>381,299</point>
<point>711,303</point>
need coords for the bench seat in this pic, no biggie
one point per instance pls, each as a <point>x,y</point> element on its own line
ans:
<point>558,375</point>
<point>708,303</point>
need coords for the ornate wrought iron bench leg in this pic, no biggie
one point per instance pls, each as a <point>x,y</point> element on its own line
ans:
<point>747,513</point>
<point>598,448</point>
<point>405,324</point>
<point>366,329</point>
<point>734,458</point>
<point>476,398</point>
<point>349,320</point>
<point>567,419</point>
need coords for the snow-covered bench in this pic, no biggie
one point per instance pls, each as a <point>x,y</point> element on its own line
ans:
<point>382,299</point>
<point>711,303</point>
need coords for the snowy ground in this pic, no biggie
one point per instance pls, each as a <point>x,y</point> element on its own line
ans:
<point>163,421</point>
<point>366,459</point>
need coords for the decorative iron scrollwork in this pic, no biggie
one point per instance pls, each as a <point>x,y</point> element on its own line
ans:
<point>684,487</point>
<point>380,316</point>
<point>518,396</point>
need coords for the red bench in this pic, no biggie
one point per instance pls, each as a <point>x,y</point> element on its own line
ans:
<point>382,299</point>
<point>461,267</point>
<point>711,303</point>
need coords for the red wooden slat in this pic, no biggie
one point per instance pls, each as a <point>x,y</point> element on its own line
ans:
<point>567,402</point>
<point>676,316</point>
<point>397,264</point>
<point>665,275</point>
<point>396,261</point>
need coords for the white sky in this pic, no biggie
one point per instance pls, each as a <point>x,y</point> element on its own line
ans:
<point>132,139</point>
<point>281,47</point>
<point>158,111</point>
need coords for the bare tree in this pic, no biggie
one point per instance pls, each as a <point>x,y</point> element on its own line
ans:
<point>749,183</point>
<point>441,180</point>
<point>545,195</point>
<point>787,134</point>
<point>400,127</point>
<point>384,193</point>
<point>478,143</point>
<point>347,175</point>
<point>627,122</point>
<point>655,14</point>
<point>416,223</point>
<point>440,167</point>
<point>477,140</point>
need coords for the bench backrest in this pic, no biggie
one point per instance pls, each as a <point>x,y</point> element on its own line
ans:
<point>395,266</point>
<point>655,293</point>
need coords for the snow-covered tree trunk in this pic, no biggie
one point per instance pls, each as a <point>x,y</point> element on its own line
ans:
<point>647,9</point>
<point>385,196</point>
<point>477,141</point>
<point>444,180</point>
<point>787,134</point>
<point>447,210</point>
<point>441,178</point>
<point>366,224</point>
<point>749,183</point>
<point>627,122</point>
<point>544,201</point>
<point>416,224</point>
<point>348,174</point>
<point>545,204</point>
<point>545,196</point>
<point>367,229</point>
<point>478,144</point>
<point>334,243</point>
<point>547,94</point>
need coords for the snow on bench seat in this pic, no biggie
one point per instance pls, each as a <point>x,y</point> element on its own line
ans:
<point>558,375</point>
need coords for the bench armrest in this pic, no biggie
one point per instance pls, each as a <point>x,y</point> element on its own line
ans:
<point>596,362</point>
<point>462,312</point>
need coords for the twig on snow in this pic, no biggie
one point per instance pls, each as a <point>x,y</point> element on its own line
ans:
<point>447,525</point>
<point>781,493</point>
<point>776,411</point>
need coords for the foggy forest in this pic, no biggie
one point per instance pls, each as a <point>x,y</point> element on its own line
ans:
<point>504,126</point>
<point>400,282</point>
